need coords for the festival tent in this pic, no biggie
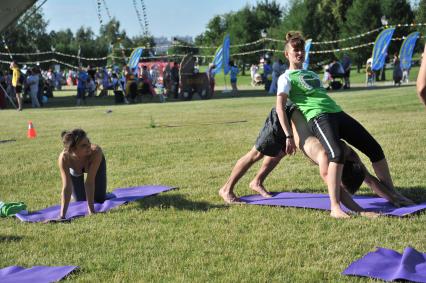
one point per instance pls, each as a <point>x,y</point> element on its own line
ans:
<point>11,10</point>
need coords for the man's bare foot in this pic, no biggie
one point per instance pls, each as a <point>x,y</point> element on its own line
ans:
<point>229,197</point>
<point>369,214</point>
<point>259,188</point>
<point>338,213</point>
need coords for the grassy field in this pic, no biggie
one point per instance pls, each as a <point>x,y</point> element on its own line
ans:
<point>189,235</point>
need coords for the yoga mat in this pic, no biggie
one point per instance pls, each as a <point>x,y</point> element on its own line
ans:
<point>322,201</point>
<point>79,208</point>
<point>36,274</point>
<point>390,265</point>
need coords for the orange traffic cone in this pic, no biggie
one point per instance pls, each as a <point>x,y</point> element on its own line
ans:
<point>31,131</point>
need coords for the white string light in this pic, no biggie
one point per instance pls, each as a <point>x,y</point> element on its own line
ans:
<point>262,40</point>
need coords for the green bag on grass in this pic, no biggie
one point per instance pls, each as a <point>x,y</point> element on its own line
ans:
<point>11,208</point>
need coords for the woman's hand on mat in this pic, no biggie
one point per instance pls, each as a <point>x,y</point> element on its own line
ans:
<point>290,146</point>
<point>369,214</point>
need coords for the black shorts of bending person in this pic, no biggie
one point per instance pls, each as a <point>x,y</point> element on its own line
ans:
<point>330,128</point>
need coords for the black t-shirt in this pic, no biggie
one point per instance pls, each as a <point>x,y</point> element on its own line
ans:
<point>92,73</point>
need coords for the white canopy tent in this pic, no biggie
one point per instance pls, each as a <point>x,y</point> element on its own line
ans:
<point>11,10</point>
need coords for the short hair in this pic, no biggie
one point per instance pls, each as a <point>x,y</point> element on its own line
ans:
<point>352,177</point>
<point>295,39</point>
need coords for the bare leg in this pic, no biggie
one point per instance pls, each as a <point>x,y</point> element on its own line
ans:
<point>268,164</point>
<point>240,168</point>
<point>334,178</point>
<point>19,99</point>
<point>381,169</point>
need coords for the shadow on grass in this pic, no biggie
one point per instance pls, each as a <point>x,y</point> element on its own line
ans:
<point>417,193</point>
<point>4,238</point>
<point>6,141</point>
<point>176,201</point>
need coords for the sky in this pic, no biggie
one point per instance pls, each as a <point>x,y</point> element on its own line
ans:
<point>166,17</point>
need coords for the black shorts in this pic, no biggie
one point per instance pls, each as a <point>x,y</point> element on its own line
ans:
<point>347,73</point>
<point>330,128</point>
<point>18,89</point>
<point>271,139</point>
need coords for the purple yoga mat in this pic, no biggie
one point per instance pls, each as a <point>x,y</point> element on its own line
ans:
<point>79,208</point>
<point>36,274</point>
<point>390,265</point>
<point>322,201</point>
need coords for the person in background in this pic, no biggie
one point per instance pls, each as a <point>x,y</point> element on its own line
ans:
<point>174,77</point>
<point>346,64</point>
<point>276,72</point>
<point>233,75</point>
<point>253,71</point>
<point>32,82</point>
<point>397,71</point>
<point>16,83</point>
<point>369,74</point>
<point>83,79</point>
<point>267,74</point>
<point>421,80</point>
<point>210,75</point>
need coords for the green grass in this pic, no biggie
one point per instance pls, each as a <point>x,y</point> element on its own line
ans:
<point>189,234</point>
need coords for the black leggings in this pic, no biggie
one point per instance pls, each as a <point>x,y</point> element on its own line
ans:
<point>329,128</point>
<point>79,192</point>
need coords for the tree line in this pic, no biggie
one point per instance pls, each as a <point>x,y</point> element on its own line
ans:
<point>320,20</point>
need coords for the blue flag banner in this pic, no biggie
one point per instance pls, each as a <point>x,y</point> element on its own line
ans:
<point>380,48</point>
<point>218,59</point>
<point>407,48</point>
<point>221,57</point>
<point>226,55</point>
<point>308,44</point>
<point>134,57</point>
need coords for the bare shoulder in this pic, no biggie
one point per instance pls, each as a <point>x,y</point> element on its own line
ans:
<point>96,150</point>
<point>63,159</point>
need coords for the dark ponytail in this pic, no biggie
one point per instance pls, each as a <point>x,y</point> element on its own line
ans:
<point>70,139</point>
<point>295,39</point>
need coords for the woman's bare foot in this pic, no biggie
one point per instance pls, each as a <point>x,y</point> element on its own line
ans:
<point>338,213</point>
<point>259,188</point>
<point>229,197</point>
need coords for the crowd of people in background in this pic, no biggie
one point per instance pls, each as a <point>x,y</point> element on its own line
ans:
<point>32,84</point>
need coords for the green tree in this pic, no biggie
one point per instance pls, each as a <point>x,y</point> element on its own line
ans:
<point>362,16</point>
<point>398,12</point>
<point>420,17</point>
<point>115,41</point>
<point>28,34</point>
<point>144,41</point>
